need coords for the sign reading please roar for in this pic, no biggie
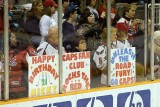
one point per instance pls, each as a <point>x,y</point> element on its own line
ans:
<point>123,66</point>
<point>43,75</point>
<point>76,71</point>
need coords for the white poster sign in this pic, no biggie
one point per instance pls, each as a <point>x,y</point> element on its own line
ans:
<point>43,75</point>
<point>76,71</point>
<point>123,66</point>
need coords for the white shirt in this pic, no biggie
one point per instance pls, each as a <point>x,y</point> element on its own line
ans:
<point>55,17</point>
<point>48,49</point>
<point>124,44</point>
<point>45,23</point>
<point>100,59</point>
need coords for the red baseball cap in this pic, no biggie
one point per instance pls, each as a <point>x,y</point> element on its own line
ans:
<point>48,3</point>
<point>122,26</point>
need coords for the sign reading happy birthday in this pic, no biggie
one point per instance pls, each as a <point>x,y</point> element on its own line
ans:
<point>76,71</point>
<point>123,66</point>
<point>43,75</point>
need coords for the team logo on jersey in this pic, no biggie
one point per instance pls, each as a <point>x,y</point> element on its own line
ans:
<point>134,99</point>
<point>13,62</point>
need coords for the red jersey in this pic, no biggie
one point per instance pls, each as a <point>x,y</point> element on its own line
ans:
<point>17,61</point>
<point>103,9</point>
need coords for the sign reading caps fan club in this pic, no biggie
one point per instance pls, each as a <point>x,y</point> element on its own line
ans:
<point>76,71</point>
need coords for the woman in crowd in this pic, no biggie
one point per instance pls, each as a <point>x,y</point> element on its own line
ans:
<point>91,4</point>
<point>20,49</point>
<point>31,25</point>
<point>91,31</point>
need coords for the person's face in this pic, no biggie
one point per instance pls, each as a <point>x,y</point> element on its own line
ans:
<point>131,13</point>
<point>93,3</point>
<point>82,45</point>
<point>13,39</point>
<point>53,9</point>
<point>65,4</point>
<point>39,7</point>
<point>74,16</point>
<point>122,35</point>
<point>91,19</point>
<point>113,36</point>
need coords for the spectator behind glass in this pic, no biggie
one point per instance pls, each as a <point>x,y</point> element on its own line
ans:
<point>122,35</point>
<point>31,25</point>
<point>50,46</point>
<point>79,43</point>
<point>90,29</point>
<point>100,55</point>
<point>91,4</point>
<point>70,14</point>
<point>77,3</point>
<point>102,8</point>
<point>49,8</point>
<point>68,27</point>
<point>20,49</point>
<point>128,18</point>
<point>64,6</point>
<point>157,54</point>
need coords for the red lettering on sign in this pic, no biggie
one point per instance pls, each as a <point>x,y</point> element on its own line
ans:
<point>126,80</point>
<point>76,65</point>
<point>123,65</point>
<point>75,86</point>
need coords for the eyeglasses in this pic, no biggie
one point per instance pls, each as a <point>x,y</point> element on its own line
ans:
<point>83,42</point>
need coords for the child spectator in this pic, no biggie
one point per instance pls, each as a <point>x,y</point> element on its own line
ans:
<point>100,55</point>
<point>79,44</point>
<point>122,35</point>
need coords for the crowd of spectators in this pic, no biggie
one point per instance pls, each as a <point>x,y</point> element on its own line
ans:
<point>82,31</point>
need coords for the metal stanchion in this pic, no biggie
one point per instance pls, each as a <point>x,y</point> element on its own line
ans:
<point>6,53</point>
<point>108,41</point>
<point>60,43</point>
<point>152,40</point>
